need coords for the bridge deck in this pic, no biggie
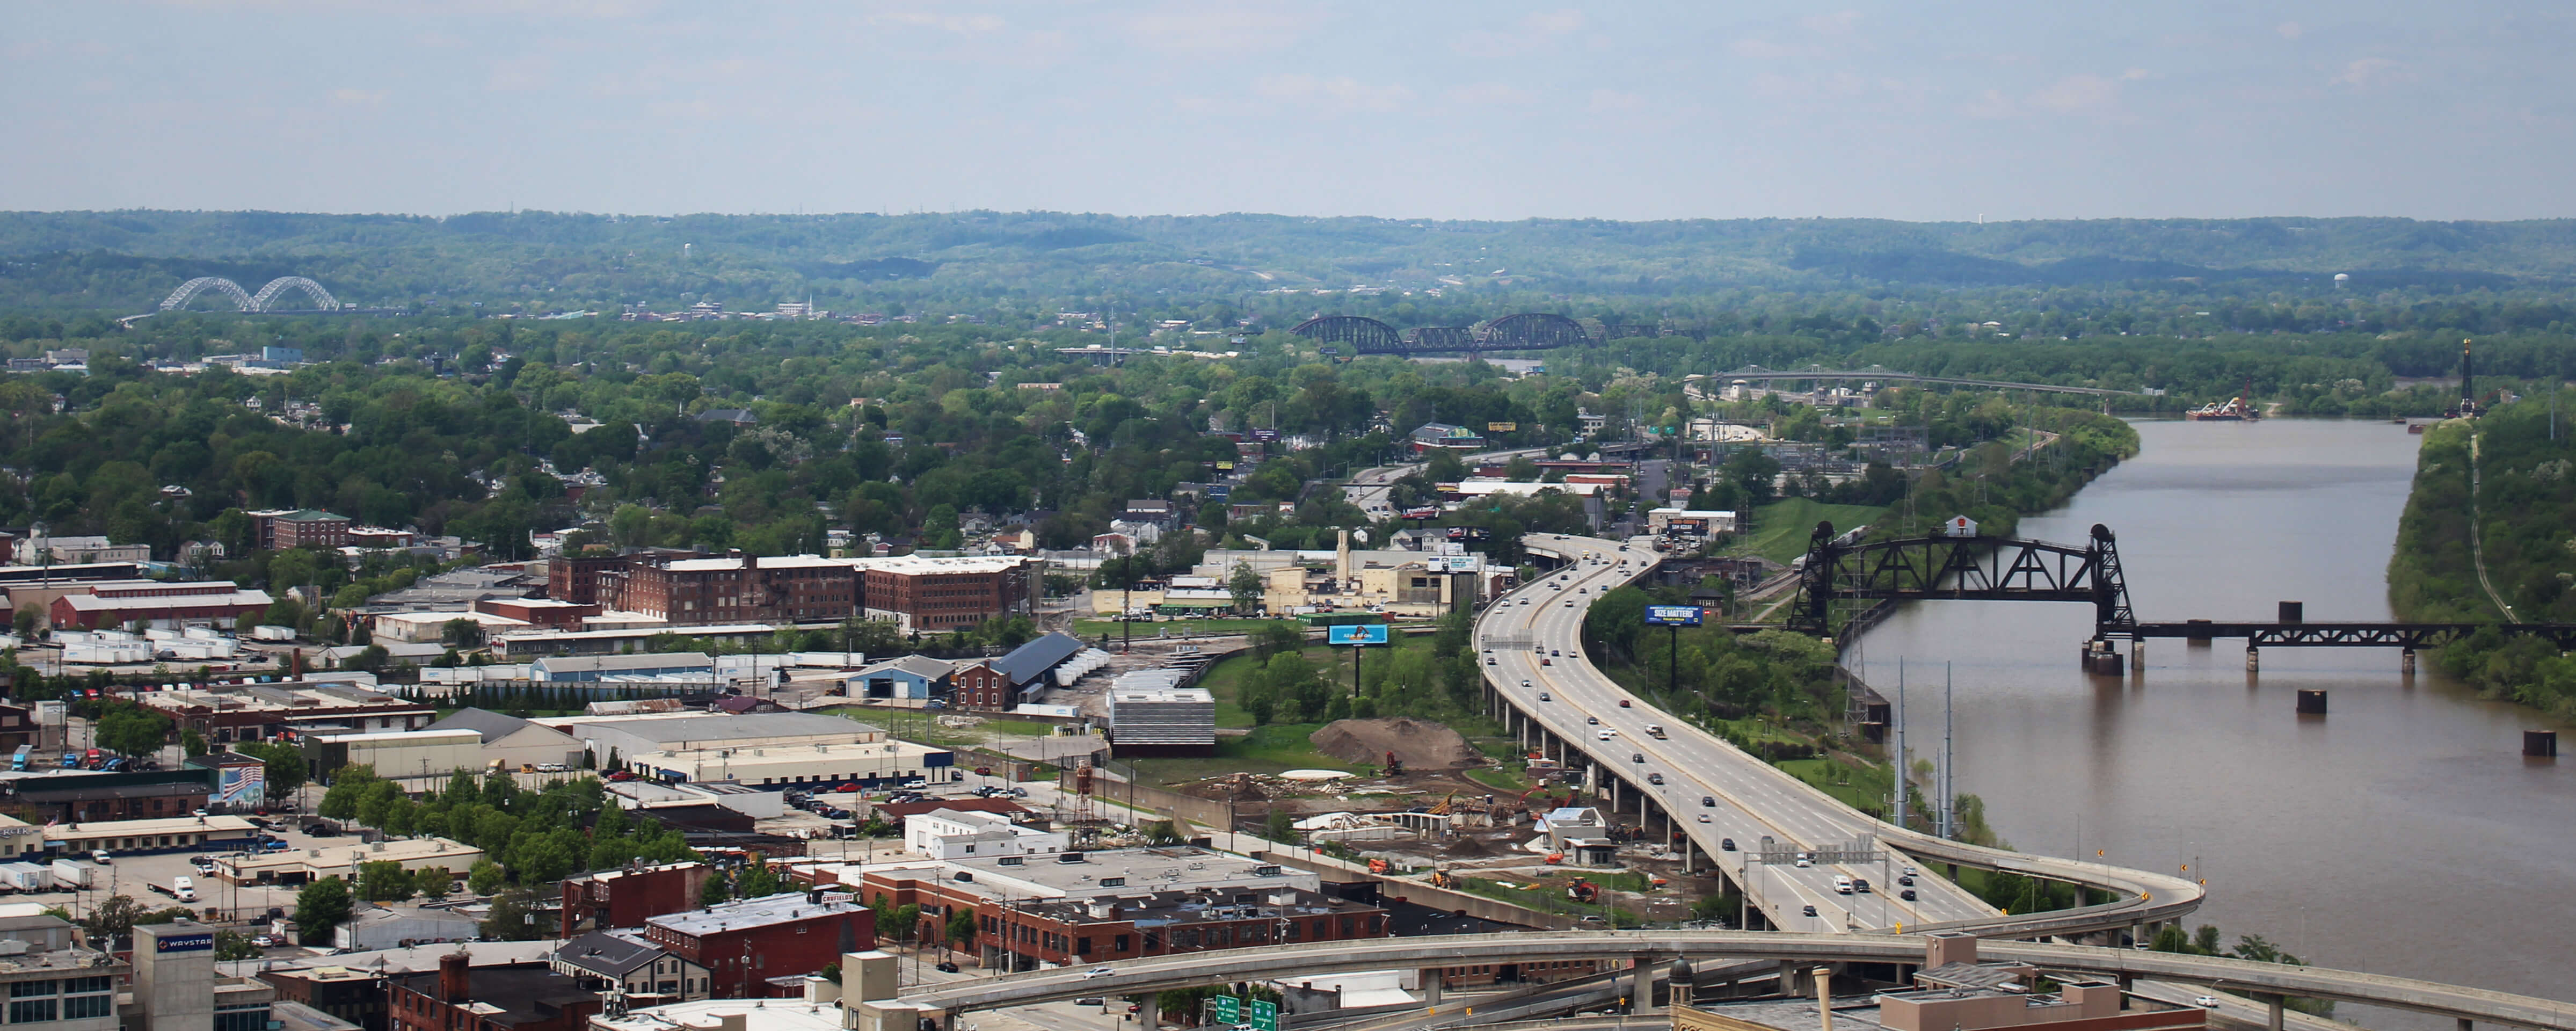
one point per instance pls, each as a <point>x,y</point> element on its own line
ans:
<point>2343,635</point>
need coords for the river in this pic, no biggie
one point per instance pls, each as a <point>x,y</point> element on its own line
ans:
<point>2402,833</point>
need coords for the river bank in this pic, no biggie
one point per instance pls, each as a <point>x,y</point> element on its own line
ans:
<point>2410,796</point>
<point>2513,561</point>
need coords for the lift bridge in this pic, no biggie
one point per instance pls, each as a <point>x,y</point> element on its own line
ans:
<point>1958,563</point>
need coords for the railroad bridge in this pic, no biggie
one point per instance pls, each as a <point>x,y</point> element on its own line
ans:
<point>1957,563</point>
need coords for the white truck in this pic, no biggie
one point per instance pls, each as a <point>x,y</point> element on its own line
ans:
<point>26,876</point>
<point>72,873</point>
<point>183,888</point>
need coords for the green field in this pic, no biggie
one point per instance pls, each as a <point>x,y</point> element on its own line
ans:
<point>1781,529</point>
<point>1272,749</point>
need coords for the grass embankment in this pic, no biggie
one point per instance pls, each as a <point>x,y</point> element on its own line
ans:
<point>1781,529</point>
<point>2526,500</point>
<point>1276,748</point>
<point>1091,629</point>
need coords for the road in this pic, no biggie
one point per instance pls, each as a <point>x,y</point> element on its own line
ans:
<point>1366,490</point>
<point>1744,798</point>
<point>2236,975</point>
<point>1721,795</point>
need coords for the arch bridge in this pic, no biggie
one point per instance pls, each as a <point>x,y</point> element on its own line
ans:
<point>265,301</point>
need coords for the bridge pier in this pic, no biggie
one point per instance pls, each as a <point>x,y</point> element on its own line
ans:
<point>2138,654</point>
<point>1431,985</point>
<point>2253,659</point>
<point>2406,661</point>
<point>2272,1019</point>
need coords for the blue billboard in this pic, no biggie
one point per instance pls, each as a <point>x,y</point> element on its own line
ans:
<point>1672,615</point>
<point>1358,634</point>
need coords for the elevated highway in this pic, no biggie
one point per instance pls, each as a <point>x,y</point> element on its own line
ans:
<point>1712,792</point>
<point>2235,975</point>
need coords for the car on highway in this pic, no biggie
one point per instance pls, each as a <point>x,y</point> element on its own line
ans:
<point>1806,911</point>
<point>1569,603</point>
<point>1907,894</point>
<point>1489,660</point>
<point>1545,661</point>
<point>945,967</point>
<point>1594,721</point>
<point>1097,972</point>
<point>1524,601</point>
<point>1525,682</point>
<point>2205,1001</point>
<point>1654,778</point>
<point>1545,697</point>
<point>1091,1000</point>
<point>1906,880</point>
<point>1608,734</point>
<point>1623,703</point>
<point>1861,885</point>
<point>1637,757</point>
<point>1703,817</point>
<point>1708,800</point>
<point>1726,844</point>
<point>1804,862</point>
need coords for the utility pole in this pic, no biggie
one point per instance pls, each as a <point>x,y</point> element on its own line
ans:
<point>1949,813</point>
<point>1900,741</point>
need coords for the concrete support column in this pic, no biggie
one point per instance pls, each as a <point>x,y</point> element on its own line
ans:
<point>2466,1024</point>
<point>1432,982</point>
<point>2273,1019</point>
<point>1791,983</point>
<point>2253,659</point>
<point>1151,1015</point>
<point>1641,984</point>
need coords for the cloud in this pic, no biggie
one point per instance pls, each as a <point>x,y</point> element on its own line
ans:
<point>2371,72</point>
<point>357,97</point>
<point>519,74</point>
<point>2077,93</point>
<point>1339,91</point>
<point>1839,23</point>
<point>961,23</point>
<point>1613,100</point>
<point>2290,30</point>
<point>1213,28</point>
<point>1491,93</point>
<point>1533,32</point>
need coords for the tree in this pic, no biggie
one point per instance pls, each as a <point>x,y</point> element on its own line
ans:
<point>321,906</point>
<point>515,917</point>
<point>25,620</point>
<point>133,730</point>
<point>756,880</point>
<point>485,878</point>
<point>461,633</point>
<point>433,882</point>
<point>961,927</point>
<point>385,881</point>
<point>1280,826</point>
<point>1245,586</point>
<point>284,764</point>
<point>192,742</point>
<point>716,891</point>
<point>234,945</point>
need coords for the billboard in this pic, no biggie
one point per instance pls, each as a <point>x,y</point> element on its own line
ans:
<point>185,942</point>
<point>1672,615</point>
<point>1502,427</point>
<point>1356,634</point>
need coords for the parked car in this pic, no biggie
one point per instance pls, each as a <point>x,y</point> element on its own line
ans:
<point>100,857</point>
<point>946,967</point>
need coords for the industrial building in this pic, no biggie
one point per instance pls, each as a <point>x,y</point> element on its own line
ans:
<point>576,668</point>
<point>744,944</point>
<point>631,736</point>
<point>1160,720</point>
<point>644,972</point>
<point>171,834</point>
<point>951,834</point>
<point>296,866</point>
<point>125,603</point>
<point>253,712</point>
<point>397,753</point>
<point>628,896</point>
<point>511,741</point>
<point>1014,679</point>
<point>810,767</point>
<point>912,676</point>
<point>916,593</point>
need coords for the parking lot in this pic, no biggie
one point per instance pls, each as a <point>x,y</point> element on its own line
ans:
<point>218,901</point>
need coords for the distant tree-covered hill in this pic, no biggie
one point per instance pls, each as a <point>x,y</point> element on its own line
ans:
<point>126,261</point>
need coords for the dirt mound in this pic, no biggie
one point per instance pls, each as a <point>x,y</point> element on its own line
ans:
<point>1422,745</point>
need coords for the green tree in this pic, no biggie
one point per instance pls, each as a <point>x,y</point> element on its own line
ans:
<point>25,620</point>
<point>192,742</point>
<point>234,945</point>
<point>515,917</point>
<point>385,881</point>
<point>1280,826</point>
<point>461,633</point>
<point>1245,585</point>
<point>433,882</point>
<point>132,730</point>
<point>717,891</point>
<point>321,906</point>
<point>961,927</point>
<point>485,878</point>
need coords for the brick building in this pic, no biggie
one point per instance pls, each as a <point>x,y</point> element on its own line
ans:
<point>1163,923</point>
<point>744,944</point>
<point>937,595</point>
<point>116,605</point>
<point>931,595</point>
<point>630,896</point>
<point>1008,680</point>
<point>281,528</point>
<point>461,997</point>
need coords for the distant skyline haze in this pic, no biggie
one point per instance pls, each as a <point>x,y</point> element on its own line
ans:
<point>2000,109</point>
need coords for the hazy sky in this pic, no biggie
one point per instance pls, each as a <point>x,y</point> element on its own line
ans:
<point>2004,109</point>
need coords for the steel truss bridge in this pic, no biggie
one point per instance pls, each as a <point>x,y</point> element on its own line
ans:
<point>263,302</point>
<point>1978,568</point>
<point>1881,374</point>
<point>1528,331</point>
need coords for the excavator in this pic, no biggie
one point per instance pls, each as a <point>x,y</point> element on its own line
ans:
<point>1394,765</point>
<point>1442,878</point>
<point>1583,891</point>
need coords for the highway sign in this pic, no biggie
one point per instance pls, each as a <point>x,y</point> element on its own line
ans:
<point>1265,1015</point>
<point>1502,427</point>
<point>1356,634</point>
<point>1672,615</point>
<point>1229,1010</point>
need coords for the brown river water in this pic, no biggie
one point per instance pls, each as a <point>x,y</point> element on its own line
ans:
<point>2402,833</point>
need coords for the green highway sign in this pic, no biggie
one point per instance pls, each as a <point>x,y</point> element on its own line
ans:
<point>1229,1010</point>
<point>1265,1015</point>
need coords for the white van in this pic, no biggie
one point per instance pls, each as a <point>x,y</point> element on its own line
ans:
<point>1842,884</point>
<point>1656,729</point>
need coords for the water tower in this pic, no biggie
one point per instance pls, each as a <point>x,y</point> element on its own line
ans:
<point>2341,278</point>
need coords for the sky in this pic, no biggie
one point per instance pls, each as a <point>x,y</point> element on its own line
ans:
<point>1992,109</point>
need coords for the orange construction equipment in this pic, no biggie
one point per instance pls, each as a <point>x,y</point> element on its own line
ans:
<point>1556,857</point>
<point>1377,866</point>
<point>1583,891</point>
